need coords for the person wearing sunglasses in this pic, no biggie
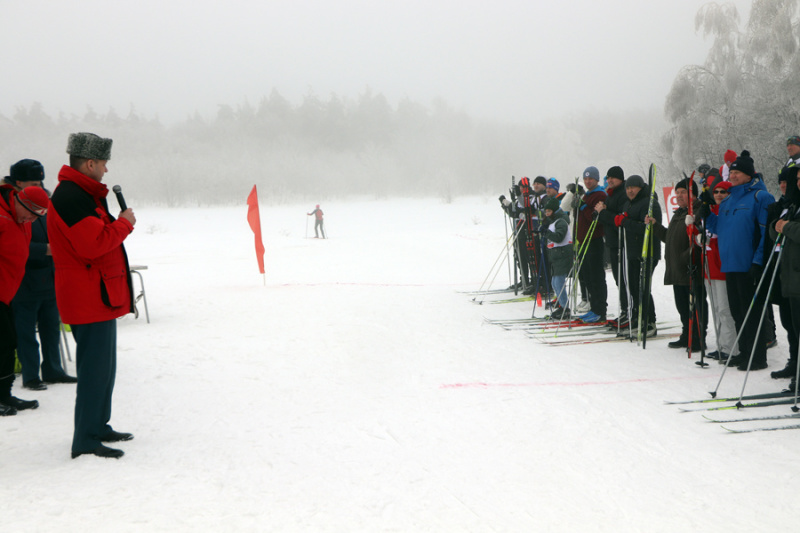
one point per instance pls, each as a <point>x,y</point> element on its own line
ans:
<point>715,284</point>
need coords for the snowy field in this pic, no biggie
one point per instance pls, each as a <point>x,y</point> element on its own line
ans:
<point>359,390</point>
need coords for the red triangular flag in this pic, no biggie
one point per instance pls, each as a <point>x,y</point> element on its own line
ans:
<point>254,219</point>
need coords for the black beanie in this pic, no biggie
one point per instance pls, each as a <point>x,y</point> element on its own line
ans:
<point>684,184</point>
<point>552,204</point>
<point>616,172</point>
<point>744,163</point>
<point>788,174</point>
<point>26,170</point>
<point>541,179</point>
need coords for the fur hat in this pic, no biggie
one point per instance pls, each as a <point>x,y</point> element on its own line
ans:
<point>616,172</point>
<point>744,163</point>
<point>89,146</point>
<point>34,199</point>
<point>635,181</point>
<point>26,170</point>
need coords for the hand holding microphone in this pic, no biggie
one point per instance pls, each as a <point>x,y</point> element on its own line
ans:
<point>126,213</point>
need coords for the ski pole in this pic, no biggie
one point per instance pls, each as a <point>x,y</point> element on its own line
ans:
<point>494,265</point>
<point>746,317</point>
<point>760,324</point>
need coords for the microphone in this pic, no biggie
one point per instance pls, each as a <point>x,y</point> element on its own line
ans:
<point>118,191</point>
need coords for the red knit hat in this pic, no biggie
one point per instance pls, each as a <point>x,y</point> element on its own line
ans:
<point>34,199</point>
<point>723,185</point>
<point>730,156</point>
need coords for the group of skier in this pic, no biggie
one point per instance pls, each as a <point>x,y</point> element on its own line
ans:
<point>728,242</point>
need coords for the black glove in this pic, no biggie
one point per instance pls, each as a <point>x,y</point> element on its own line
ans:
<point>707,197</point>
<point>704,210</point>
<point>502,197</point>
<point>755,273</point>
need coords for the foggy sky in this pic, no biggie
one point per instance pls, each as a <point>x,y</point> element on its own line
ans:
<point>505,60</point>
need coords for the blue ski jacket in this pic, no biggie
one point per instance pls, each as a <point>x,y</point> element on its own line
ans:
<point>741,226</point>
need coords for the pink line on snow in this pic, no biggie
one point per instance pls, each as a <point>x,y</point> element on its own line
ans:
<point>484,385</point>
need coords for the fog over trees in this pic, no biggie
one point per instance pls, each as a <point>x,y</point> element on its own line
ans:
<point>747,93</point>
<point>745,96</point>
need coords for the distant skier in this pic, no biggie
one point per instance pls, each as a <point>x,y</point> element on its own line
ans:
<point>318,223</point>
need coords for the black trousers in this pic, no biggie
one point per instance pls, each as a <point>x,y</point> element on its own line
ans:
<point>8,345</point>
<point>741,291</point>
<point>683,305</point>
<point>593,274</point>
<point>634,273</point>
<point>622,293</point>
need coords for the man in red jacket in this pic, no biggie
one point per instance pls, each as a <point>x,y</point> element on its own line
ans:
<point>17,211</point>
<point>93,285</point>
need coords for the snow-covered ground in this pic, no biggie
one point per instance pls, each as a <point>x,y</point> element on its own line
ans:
<point>358,390</point>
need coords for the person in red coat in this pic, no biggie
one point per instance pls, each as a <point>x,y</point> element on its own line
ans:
<point>93,285</point>
<point>17,211</point>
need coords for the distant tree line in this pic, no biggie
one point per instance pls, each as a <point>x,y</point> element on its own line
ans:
<point>339,147</point>
<point>747,93</point>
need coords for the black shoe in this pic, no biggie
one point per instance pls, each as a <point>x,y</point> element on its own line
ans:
<point>737,360</point>
<point>771,344</point>
<point>560,313</point>
<point>789,371</point>
<point>791,388</point>
<point>62,379</point>
<point>35,384</point>
<point>713,355</point>
<point>116,436</point>
<point>680,343</point>
<point>755,366</point>
<point>7,411</point>
<point>101,451</point>
<point>19,405</point>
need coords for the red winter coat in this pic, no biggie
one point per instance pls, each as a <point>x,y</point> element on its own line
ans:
<point>93,281</point>
<point>14,247</point>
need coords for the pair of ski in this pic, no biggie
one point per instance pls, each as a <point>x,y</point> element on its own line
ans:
<point>596,335</point>
<point>754,400</point>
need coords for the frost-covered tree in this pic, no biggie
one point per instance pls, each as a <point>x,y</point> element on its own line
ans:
<point>745,95</point>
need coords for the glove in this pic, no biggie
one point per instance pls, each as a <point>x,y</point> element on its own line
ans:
<point>506,202</point>
<point>704,211</point>
<point>619,219</point>
<point>698,239</point>
<point>755,273</point>
<point>689,220</point>
<point>502,197</point>
<point>707,197</point>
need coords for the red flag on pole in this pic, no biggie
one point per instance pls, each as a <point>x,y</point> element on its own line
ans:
<point>254,219</point>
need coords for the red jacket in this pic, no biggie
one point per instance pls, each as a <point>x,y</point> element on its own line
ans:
<point>14,247</point>
<point>93,281</point>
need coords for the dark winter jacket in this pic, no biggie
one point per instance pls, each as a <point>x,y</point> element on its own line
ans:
<point>741,226</point>
<point>93,281</point>
<point>677,247</point>
<point>39,280</point>
<point>615,204</point>
<point>559,243</point>
<point>634,225</point>
<point>790,256</point>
